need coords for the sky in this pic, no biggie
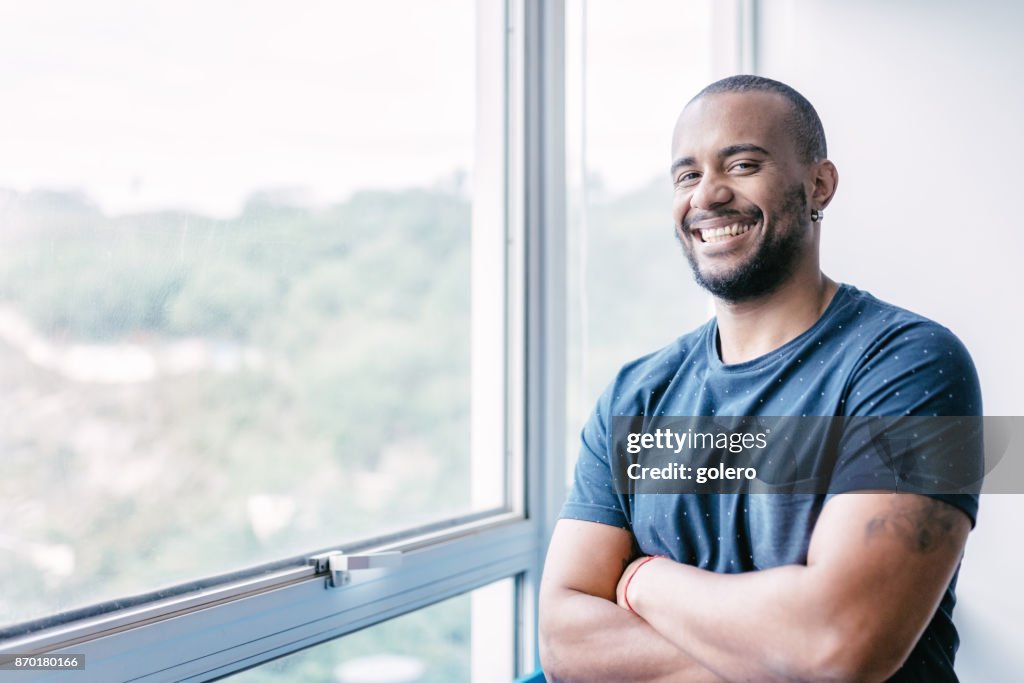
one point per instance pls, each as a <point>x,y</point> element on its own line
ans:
<point>146,105</point>
<point>199,104</point>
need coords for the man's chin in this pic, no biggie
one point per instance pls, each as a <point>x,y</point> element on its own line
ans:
<point>719,279</point>
<point>734,286</point>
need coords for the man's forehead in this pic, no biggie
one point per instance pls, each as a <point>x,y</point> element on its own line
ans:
<point>722,119</point>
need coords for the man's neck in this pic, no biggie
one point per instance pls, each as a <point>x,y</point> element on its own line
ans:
<point>750,329</point>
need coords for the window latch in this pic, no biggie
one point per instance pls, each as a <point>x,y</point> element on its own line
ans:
<point>339,566</point>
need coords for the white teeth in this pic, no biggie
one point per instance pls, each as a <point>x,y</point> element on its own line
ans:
<point>719,234</point>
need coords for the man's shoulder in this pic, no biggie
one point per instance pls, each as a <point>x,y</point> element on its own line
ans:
<point>651,368</point>
<point>638,380</point>
<point>908,363</point>
<point>887,327</point>
<point>866,303</point>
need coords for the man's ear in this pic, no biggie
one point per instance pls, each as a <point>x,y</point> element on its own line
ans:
<point>825,180</point>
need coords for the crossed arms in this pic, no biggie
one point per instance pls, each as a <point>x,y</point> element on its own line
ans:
<point>877,567</point>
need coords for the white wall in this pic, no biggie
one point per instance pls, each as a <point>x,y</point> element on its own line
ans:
<point>922,105</point>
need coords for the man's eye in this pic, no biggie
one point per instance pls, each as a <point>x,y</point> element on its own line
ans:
<point>687,177</point>
<point>744,166</point>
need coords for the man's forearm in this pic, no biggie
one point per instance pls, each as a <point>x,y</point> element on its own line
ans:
<point>877,567</point>
<point>753,626</point>
<point>590,639</point>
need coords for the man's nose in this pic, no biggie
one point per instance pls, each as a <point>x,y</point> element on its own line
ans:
<point>712,192</point>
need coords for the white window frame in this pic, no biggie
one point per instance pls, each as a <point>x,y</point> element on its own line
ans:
<point>237,624</point>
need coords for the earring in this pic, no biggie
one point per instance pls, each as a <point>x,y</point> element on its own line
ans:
<point>817,215</point>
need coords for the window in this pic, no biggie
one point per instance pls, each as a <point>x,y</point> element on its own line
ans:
<point>263,299</point>
<point>235,289</point>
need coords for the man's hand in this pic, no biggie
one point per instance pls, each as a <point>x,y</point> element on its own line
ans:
<point>620,590</point>
<point>584,635</point>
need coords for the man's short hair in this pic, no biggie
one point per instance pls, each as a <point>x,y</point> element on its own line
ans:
<point>804,124</point>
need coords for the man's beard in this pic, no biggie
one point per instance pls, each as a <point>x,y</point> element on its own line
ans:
<point>765,270</point>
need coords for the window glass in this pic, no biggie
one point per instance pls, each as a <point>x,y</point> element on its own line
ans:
<point>467,638</point>
<point>630,69</point>
<point>235,285</point>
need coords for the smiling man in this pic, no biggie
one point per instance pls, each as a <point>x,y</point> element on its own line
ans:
<point>847,584</point>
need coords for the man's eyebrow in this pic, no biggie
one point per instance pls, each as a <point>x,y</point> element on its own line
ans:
<point>679,163</point>
<point>723,153</point>
<point>726,152</point>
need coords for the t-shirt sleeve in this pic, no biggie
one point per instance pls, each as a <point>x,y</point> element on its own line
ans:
<point>592,497</point>
<point>916,382</point>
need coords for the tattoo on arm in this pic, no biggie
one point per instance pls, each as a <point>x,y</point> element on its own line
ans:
<point>921,523</point>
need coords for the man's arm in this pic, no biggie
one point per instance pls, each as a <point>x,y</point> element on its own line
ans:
<point>584,634</point>
<point>877,567</point>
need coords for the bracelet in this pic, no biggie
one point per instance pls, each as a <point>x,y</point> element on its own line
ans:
<point>625,591</point>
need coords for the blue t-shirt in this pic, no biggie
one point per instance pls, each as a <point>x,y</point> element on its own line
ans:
<point>863,357</point>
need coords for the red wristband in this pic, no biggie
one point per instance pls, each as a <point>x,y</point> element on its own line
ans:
<point>625,591</point>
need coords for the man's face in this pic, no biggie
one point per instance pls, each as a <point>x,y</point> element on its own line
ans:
<point>740,204</point>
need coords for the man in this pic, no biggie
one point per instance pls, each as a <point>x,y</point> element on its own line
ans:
<point>840,586</point>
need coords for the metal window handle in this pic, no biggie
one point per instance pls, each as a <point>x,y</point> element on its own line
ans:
<point>339,565</point>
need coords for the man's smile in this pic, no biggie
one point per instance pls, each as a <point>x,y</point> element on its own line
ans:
<point>725,232</point>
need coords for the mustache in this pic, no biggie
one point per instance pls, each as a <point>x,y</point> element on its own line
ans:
<point>753,215</point>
